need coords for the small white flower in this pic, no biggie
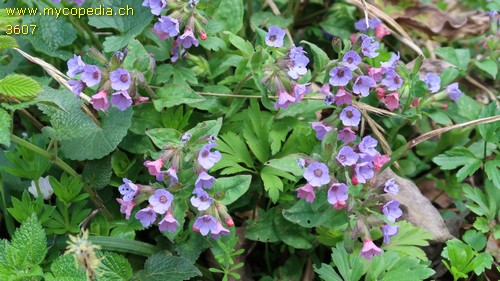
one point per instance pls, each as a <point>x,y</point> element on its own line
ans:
<point>45,188</point>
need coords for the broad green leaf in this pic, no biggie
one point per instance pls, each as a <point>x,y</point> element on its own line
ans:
<point>463,259</point>
<point>468,107</point>
<point>489,66</point>
<point>244,46</point>
<point>457,57</point>
<point>263,18</point>
<point>128,25</point>
<point>160,267</point>
<point>440,117</point>
<point>113,267</point>
<point>204,129</point>
<point>320,57</point>
<point>19,86</point>
<point>5,125</point>
<point>407,240</point>
<point>51,35</point>
<point>168,73</point>
<point>97,173</point>
<point>262,228</point>
<point>65,268</point>
<point>174,94</point>
<point>475,239</point>
<point>164,136</point>
<point>291,234</point>
<point>135,51</point>
<point>392,266</point>
<point>456,157</point>
<point>7,42</point>
<point>288,164</point>
<point>232,187</point>
<point>318,213</point>
<point>230,14</point>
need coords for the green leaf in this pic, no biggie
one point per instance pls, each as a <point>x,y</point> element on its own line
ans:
<point>491,168</point>
<point>272,183</point>
<point>463,259</point>
<point>204,129</point>
<point>174,94</point>
<point>475,239</point>
<point>5,125</point>
<point>135,51</point>
<point>230,14</point>
<point>7,42</point>
<point>19,86</point>
<point>168,73</point>
<point>290,233</point>
<point>439,117</point>
<point>164,136</point>
<point>350,267</point>
<point>483,203</point>
<point>262,229</point>
<point>320,57</point>
<point>65,268</point>
<point>456,157</point>
<point>232,187</point>
<point>489,66</point>
<point>97,173</point>
<point>113,267</point>
<point>327,273</point>
<point>318,213</point>
<point>28,243</point>
<point>160,267</point>
<point>408,238</point>
<point>391,266</point>
<point>288,164</point>
<point>244,46</point>
<point>232,146</point>
<point>458,57</point>
<point>51,35</point>
<point>129,25</point>
<point>491,131</point>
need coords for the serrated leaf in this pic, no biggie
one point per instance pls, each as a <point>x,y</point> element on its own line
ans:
<point>391,266</point>
<point>5,125</point>
<point>234,148</point>
<point>456,157</point>
<point>350,267</point>
<point>29,241</point>
<point>475,239</point>
<point>174,94</point>
<point>232,187</point>
<point>160,267</point>
<point>128,25</point>
<point>490,132</point>
<point>20,87</point>
<point>407,240</point>
<point>272,184</point>
<point>492,168</point>
<point>65,268</point>
<point>7,42</point>
<point>327,273</point>
<point>113,267</point>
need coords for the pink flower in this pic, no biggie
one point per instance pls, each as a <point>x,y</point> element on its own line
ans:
<point>126,207</point>
<point>381,31</point>
<point>306,192</point>
<point>392,101</point>
<point>100,101</point>
<point>369,249</point>
<point>154,167</point>
<point>379,161</point>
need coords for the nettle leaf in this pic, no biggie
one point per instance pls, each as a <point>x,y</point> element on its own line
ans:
<point>392,266</point>
<point>65,268</point>
<point>161,267</point>
<point>174,94</point>
<point>407,240</point>
<point>51,35</point>
<point>7,42</point>
<point>97,173</point>
<point>128,25</point>
<point>113,267</point>
<point>456,157</point>
<point>230,14</point>
<point>5,125</point>
<point>20,87</point>
<point>232,187</point>
<point>28,245</point>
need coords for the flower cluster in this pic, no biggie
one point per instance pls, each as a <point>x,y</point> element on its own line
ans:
<point>179,15</point>
<point>282,73</point>
<point>120,82</point>
<point>161,198</point>
<point>374,24</point>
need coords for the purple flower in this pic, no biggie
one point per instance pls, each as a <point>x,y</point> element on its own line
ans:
<point>166,27</point>
<point>220,231</point>
<point>176,51</point>
<point>362,85</point>
<point>360,25</point>
<point>346,135</point>
<point>391,186</point>
<point>337,195</point>
<point>77,86</point>
<point>369,249</point>
<point>121,99</point>
<point>392,211</point>
<point>320,129</point>
<point>171,173</point>
<point>340,76</point>
<point>120,79</point>
<point>126,207</point>
<point>367,146</point>
<point>392,62</point>
<point>146,216</point>
<point>329,99</point>
<point>187,39</point>
<point>75,66</point>
<point>156,6</point>
<point>204,180</point>
<point>100,101</point>
<point>161,200</point>
<point>351,60</point>
<point>306,192</point>
<point>368,48</point>
<point>275,36</point>
<point>389,231</point>
<point>128,190</point>
<point>207,159</point>
<point>364,171</point>
<point>376,73</point>
<point>433,82</point>
<point>78,2</point>
<point>392,80</point>
<point>284,100</point>
<point>204,224</point>
<point>168,223</point>
<point>154,167</point>
<point>342,97</point>
<point>453,91</point>
<point>298,62</point>
<point>91,75</point>
<point>202,201</point>
<point>347,156</point>
<point>350,116</point>
<point>301,162</point>
<point>119,55</point>
<point>317,174</point>
<point>299,91</point>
